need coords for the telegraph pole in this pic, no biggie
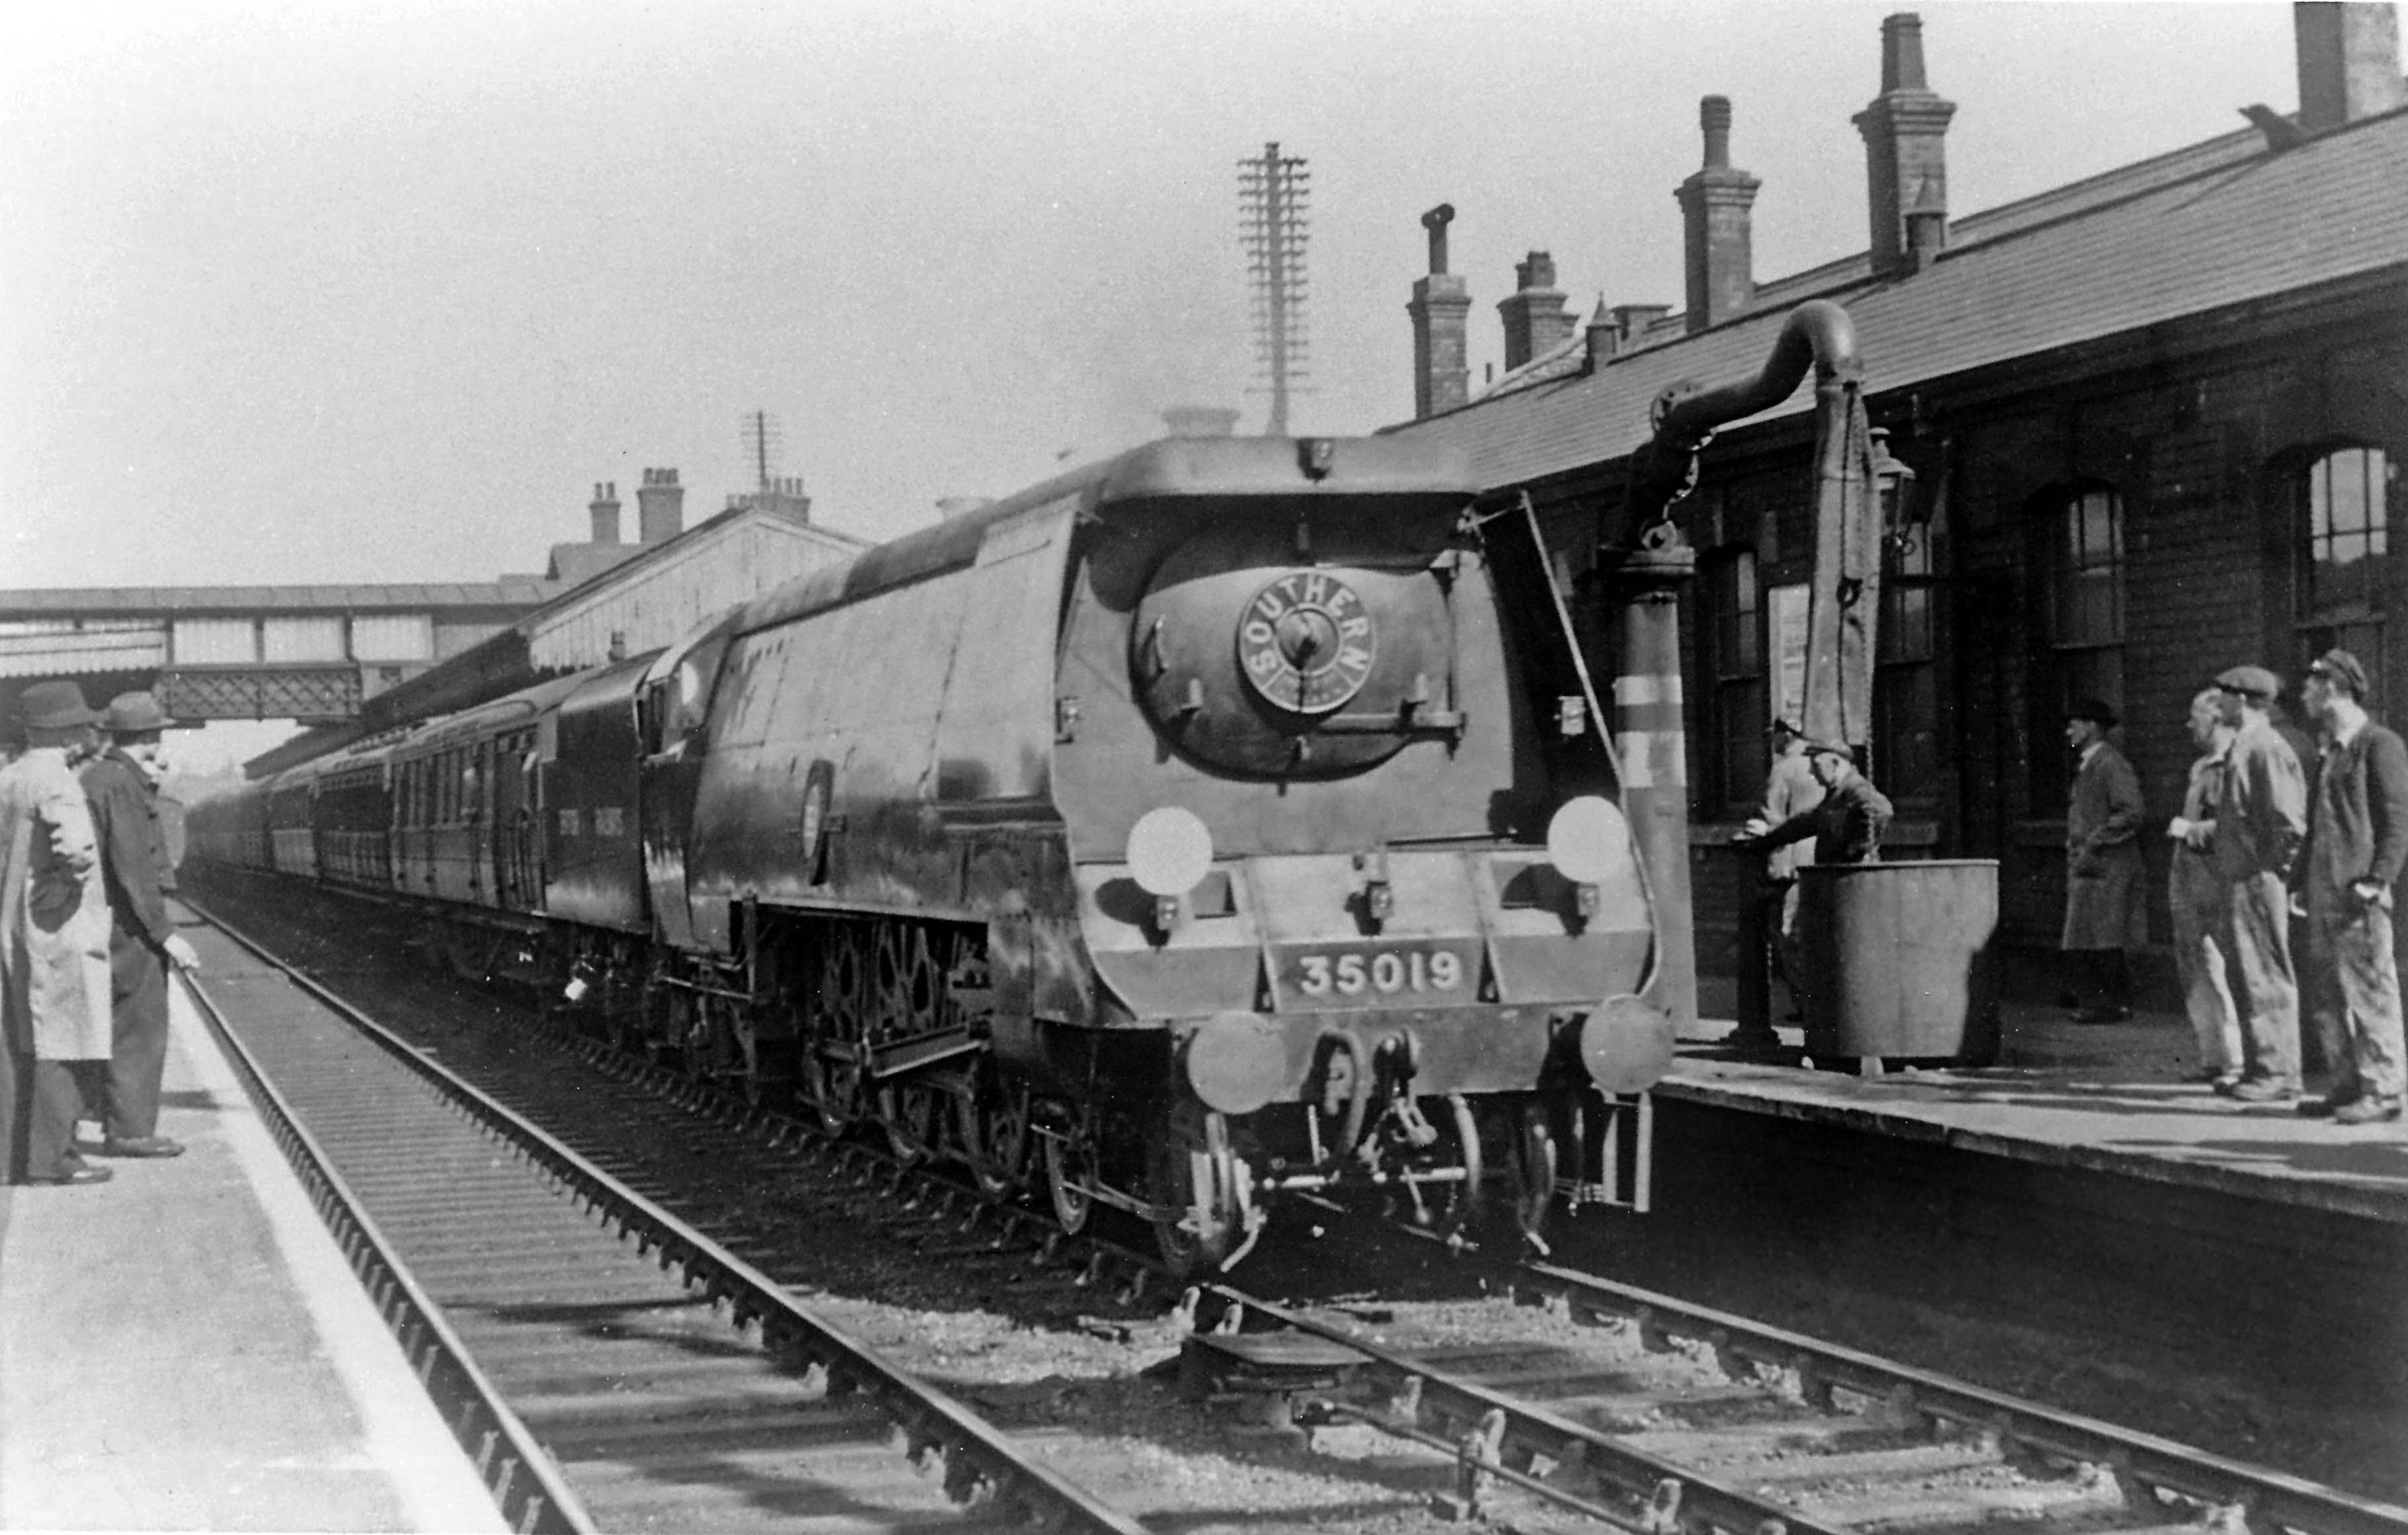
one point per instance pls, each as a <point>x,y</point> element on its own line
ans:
<point>761,445</point>
<point>1273,192</point>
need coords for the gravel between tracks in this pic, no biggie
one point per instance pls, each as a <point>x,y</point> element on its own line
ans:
<point>1090,1383</point>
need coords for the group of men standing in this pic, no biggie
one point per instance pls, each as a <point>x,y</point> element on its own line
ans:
<point>85,935</point>
<point>2271,829</point>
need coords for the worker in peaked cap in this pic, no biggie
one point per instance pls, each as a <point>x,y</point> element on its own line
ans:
<point>53,940</point>
<point>1846,826</point>
<point>123,786</point>
<point>2105,889</point>
<point>2251,842</point>
<point>1768,926</point>
<point>2358,841</point>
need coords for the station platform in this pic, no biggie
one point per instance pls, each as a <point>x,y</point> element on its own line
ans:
<point>183,1347</point>
<point>2117,1099</point>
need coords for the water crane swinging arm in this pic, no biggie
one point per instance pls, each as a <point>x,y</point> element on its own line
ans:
<point>1844,598</point>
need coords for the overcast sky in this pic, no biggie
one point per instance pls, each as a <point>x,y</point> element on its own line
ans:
<point>328,291</point>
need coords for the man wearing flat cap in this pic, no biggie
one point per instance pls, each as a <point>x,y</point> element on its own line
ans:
<point>2261,816</point>
<point>2105,882</point>
<point>2358,841</point>
<point>123,784</point>
<point>53,938</point>
<point>1846,826</point>
<point>1768,920</point>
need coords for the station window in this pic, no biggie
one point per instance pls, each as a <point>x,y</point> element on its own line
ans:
<point>2341,513</point>
<point>2083,587</point>
<point>1735,642</point>
<point>1906,698</point>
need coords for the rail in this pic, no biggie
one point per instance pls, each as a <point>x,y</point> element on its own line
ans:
<point>979,1462</point>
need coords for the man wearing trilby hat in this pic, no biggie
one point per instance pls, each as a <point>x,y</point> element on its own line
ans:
<point>122,785</point>
<point>2104,883</point>
<point>53,934</point>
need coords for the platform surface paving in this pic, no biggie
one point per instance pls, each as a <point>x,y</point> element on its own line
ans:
<point>184,1348</point>
<point>2114,1098</point>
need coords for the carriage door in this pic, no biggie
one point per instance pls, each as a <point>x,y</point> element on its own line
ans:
<point>512,836</point>
<point>672,708</point>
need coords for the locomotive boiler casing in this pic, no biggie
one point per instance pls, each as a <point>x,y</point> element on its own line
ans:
<point>965,726</point>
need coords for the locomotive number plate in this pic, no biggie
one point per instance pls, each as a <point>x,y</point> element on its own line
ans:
<point>1373,976</point>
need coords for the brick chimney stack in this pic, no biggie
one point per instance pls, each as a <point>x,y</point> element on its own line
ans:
<point>1535,317</point>
<point>605,510</point>
<point>1714,204</point>
<point>2349,62</point>
<point>1441,303</point>
<point>1906,162</point>
<point>660,506</point>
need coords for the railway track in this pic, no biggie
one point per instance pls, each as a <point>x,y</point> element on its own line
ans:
<point>1564,1398</point>
<point>607,1365</point>
<point>1671,1417</point>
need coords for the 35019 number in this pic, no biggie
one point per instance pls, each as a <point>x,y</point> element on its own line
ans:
<point>1355,975</point>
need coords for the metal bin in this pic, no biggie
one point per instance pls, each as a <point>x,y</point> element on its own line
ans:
<point>1897,962</point>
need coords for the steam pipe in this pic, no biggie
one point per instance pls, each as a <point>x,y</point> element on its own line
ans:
<point>1817,334</point>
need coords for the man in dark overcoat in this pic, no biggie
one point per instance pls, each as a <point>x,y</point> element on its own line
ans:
<point>123,788</point>
<point>2358,841</point>
<point>2106,881</point>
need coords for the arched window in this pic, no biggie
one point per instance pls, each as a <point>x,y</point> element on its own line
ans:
<point>2341,517</point>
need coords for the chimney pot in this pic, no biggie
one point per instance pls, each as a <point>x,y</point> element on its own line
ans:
<point>1440,304</point>
<point>1903,52</point>
<point>1714,117</point>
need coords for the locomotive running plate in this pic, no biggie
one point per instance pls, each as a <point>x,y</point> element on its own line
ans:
<point>1306,642</point>
<point>1376,974</point>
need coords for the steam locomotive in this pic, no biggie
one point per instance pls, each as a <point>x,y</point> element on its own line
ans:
<point>1228,822</point>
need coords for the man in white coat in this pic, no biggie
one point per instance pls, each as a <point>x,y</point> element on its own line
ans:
<point>53,935</point>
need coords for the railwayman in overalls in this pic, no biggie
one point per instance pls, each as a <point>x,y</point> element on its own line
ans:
<point>1769,924</point>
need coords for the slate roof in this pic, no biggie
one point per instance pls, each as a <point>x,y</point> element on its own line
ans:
<point>409,597</point>
<point>2216,225</point>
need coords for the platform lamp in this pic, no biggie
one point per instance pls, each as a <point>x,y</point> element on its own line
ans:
<point>1903,515</point>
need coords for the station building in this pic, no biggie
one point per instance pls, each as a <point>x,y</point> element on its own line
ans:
<point>2155,417</point>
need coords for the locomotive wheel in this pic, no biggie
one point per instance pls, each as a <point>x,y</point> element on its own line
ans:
<point>995,1128</point>
<point>909,1117</point>
<point>1065,1168</point>
<point>1194,1170</point>
<point>1532,1165</point>
<point>834,1088</point>
<point>1467,1198</point>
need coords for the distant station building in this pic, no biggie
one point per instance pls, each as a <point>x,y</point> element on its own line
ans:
<point>2155,419</point>
<point>613,599</point>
